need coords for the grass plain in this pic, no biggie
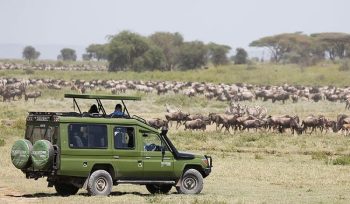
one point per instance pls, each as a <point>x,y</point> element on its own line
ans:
<point>326,73</point>
<point>249,167</point>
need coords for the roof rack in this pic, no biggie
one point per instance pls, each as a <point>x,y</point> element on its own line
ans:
<point>98,99</point>
<point>140,119</point>
<point>105,97</point>
<point>55,113</point>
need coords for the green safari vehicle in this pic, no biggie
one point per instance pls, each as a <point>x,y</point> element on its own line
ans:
<point>95,151</point>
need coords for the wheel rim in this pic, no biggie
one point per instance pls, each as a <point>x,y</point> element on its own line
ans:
<point>190,183</point>
<point>101,184</point>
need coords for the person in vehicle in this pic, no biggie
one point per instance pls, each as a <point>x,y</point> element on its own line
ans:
<point>118,111</point>
<point>93,109</point>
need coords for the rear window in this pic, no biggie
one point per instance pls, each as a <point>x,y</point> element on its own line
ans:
<point>87,136</point>
<point>41,132</point>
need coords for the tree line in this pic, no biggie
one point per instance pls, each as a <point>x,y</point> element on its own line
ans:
<point>160,51</point>
<point>305,49</point>
<point>168,51</point>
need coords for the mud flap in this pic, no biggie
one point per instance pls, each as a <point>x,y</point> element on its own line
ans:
<point>86,182</point>
<point>178,183</point>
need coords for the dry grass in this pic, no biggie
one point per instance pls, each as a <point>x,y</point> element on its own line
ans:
<point>249,167</point>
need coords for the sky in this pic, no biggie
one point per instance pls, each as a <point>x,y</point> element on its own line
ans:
<point>54,24</point>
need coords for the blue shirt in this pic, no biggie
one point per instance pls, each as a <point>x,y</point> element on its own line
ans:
<point>117,113</point>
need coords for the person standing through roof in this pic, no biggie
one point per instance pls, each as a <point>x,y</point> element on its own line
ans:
<point>93,109</point>
<point>118,111</point>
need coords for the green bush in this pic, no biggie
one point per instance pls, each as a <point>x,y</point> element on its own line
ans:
<point>342,160</point>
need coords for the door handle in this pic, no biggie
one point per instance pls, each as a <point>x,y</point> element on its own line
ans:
<point>116,157</point>
<point>147,157</point>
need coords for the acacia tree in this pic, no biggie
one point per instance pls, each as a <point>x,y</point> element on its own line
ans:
<point>170,44</point>
<point>287,45</point>
<point>29,53</point>
<point>67,54</point>
<point>218,53</point>
<point>334,44</point>
<point>278,45</point>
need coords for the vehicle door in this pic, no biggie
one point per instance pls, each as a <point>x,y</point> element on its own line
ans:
<point>127,157</point>
<point>157,164</point>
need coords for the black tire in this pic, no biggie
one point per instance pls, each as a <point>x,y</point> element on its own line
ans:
<point>159,189</point>
<point>100,183</point>
<point>65,189</point>
<point>191,182</point>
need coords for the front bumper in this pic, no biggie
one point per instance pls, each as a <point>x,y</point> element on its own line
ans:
<point>207,171</point>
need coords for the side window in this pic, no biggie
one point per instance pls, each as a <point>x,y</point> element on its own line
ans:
<point>152,143</point>
<point>87,136</point>
<point>124,138</point>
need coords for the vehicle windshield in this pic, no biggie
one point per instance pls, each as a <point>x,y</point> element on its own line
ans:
<point>40,132</point>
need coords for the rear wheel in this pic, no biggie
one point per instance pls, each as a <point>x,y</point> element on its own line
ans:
<point>158,188</point>
<point>65,189</point>
<point>191,182</point>
<point>100,183</point>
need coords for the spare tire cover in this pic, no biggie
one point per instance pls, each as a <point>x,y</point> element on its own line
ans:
<point>20,153</point>
<point>42,154</point>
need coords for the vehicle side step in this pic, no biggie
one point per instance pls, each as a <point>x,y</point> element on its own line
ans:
<point>144,182</point>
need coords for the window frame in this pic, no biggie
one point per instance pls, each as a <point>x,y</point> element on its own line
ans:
<point>163,143</point>
<point>134,134</point>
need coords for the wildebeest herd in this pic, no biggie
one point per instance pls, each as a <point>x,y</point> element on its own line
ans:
<point>222,92</point>
<point>236,117</point>
<point>51,66</point>
<point>243,118</point>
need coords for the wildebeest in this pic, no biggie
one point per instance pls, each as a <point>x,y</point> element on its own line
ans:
<point>196,124</point>
<point>346,128</point>
<point>177,116</point>
<point>225,120</point>
<point>313,122</point>
<point>282,96</point>
<point>34,95</point>
<point>347,103</point>
<point>158,123</point>
<point>249,124</point>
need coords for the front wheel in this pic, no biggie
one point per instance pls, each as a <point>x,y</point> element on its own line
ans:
<point>191,182</point>
<point>65,189</point>
<point>100,183</point>
<point>161,189</point>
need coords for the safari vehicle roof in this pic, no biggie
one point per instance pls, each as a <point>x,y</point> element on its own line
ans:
<point>103,97</point>
<point>102,119</point>
<point>98,99</point>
